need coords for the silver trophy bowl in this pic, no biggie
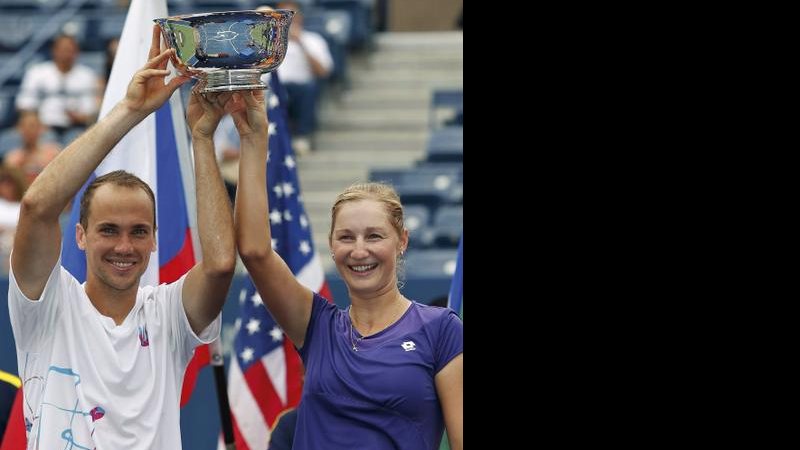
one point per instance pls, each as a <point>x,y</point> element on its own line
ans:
<point>228,51</point>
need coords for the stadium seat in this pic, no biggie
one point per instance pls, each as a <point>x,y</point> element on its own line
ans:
<point>335,27</point>
<point>448,226</point>
<point>18,27</point>
<point>360,13</point>
<point>8,112</point>
<point>433,263</point>
<point>417,221</point>
<point>389,176</point>
<point>427,184</point>
<point>446,144</point>
<point>446,105</point>
<point>30,5</point>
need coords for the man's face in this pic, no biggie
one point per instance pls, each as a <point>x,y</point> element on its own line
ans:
<point>119,236</point>
<point>65,51</point>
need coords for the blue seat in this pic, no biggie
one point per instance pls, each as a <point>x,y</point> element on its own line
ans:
<point>446,105</point>
<point>390,176</point>
<point>448,226</point>
<point>446,145</point>
<point>431,263</point>
<point>335,27</point>
<point>417,219</point>
<point>360,13</point>
<point>429,185</point>
<point>419,195</point>
<point>18,27</point>
<point>30,5</point>
<point>8,111</point>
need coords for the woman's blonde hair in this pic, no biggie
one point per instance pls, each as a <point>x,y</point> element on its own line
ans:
<point>380,192</point>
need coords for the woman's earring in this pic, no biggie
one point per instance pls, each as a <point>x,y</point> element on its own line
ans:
<point>333,257</point>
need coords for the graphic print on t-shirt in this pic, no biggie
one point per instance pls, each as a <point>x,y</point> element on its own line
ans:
<point>60,409</point>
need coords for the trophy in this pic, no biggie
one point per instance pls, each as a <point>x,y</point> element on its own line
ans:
<point>228,51</point>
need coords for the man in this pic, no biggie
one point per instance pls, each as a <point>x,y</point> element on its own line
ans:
<point>62,92</point>
<point>103,362</point>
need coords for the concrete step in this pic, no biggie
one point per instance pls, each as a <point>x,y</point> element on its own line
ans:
<point>407,79</point>
<point>370,136</point>
<point>377,145</point>
<point>374,122</point>
<point>403,61</point>
<point>415,99</point>
<point>433,57</point>
<point>418,40</point>
<point>358,97</point>
<point>351,160</point>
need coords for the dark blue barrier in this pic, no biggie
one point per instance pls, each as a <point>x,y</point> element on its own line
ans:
<point>200,419</point>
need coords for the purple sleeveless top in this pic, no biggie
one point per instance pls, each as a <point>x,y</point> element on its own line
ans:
<point>383,396</point>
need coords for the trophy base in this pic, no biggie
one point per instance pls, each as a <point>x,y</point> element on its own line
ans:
<point>233,80</point>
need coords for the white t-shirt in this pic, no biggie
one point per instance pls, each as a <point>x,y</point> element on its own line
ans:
<point>91,384</point>
<point>295,67</point>
<point>51,93</point>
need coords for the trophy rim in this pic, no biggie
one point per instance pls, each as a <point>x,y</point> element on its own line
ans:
<point>224,13</point>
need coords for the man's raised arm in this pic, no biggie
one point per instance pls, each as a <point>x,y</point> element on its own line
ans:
<point>207,284</point>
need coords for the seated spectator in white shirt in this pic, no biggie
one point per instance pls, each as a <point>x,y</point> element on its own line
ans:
<point>61,91</point>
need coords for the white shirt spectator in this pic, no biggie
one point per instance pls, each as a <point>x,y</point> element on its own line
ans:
<point>295,67</point>
<point>53,93</point>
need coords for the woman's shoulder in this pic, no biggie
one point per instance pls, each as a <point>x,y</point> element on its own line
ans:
<point>432,313</point>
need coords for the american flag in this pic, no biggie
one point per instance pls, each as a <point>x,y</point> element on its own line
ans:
<point>265,373</point>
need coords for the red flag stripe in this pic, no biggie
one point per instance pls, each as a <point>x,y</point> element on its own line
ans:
<point>294,375</point>
<point>180,264</point>
<point>264,392</point>
<point>201,359</point>
<point>14,438</point>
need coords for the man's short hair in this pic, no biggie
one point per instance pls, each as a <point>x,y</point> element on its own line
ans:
<point>117,178</point>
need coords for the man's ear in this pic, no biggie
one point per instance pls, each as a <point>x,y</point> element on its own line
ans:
<point>80,236</point>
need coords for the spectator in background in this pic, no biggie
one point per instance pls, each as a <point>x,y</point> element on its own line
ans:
<point>307,63</point>
<point>31,156</point>
<point>61,91</point>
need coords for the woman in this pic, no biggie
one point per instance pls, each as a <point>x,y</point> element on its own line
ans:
<point>386,373</point>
